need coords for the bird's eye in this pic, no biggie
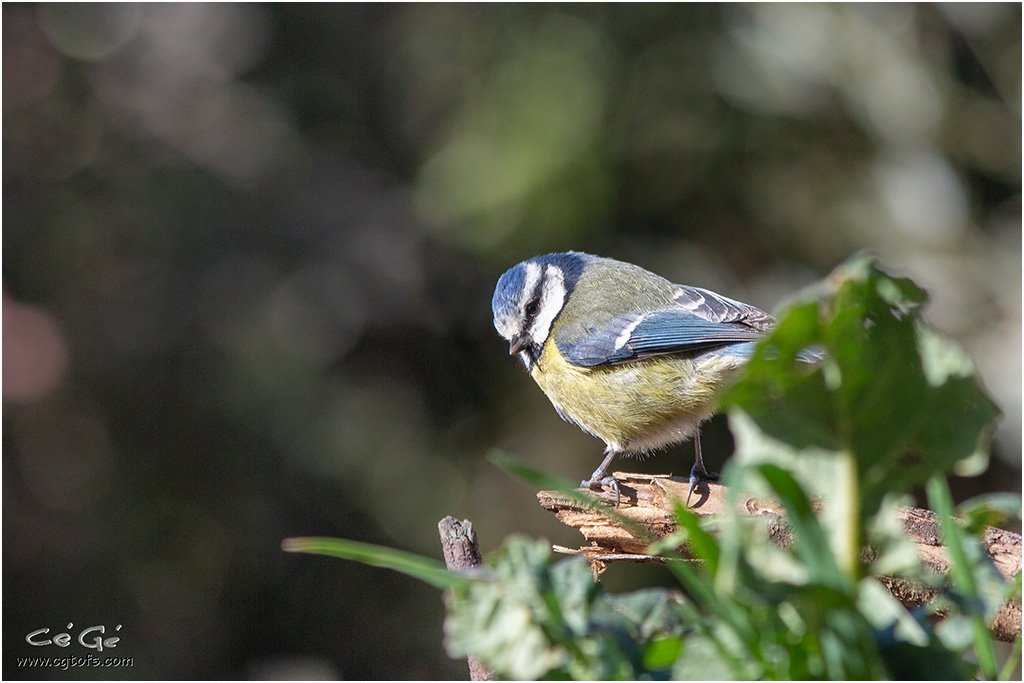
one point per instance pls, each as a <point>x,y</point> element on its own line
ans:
<point>532,308</point>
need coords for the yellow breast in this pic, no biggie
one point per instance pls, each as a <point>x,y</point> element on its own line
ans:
<point>635,406</point>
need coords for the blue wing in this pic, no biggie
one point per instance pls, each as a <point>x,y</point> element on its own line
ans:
<point>697,321</point>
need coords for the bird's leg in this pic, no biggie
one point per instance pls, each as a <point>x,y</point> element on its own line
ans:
<point>698,472</point>
<point>597,478</point>
<point>600,478</point>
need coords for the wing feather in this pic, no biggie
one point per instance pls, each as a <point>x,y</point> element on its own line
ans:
<point>696,321</point>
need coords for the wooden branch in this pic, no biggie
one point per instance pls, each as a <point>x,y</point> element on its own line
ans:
<point>461,552</point>
<point>648,501</point>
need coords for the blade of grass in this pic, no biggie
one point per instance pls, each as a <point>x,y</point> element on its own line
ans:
<point>705,547</point>
<point>544,481</point>
<point>425,569</point>
<point>1012,661</point>
<point>960,569</point>
<point>534,477</point>
<point>811,545</point>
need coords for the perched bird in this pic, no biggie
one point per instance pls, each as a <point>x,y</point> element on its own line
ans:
<point>626,355</point>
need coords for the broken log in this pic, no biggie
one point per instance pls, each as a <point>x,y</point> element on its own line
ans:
<point>648,502</point>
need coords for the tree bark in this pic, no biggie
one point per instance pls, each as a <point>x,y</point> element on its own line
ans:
<point>648,501</point>
<point>461,552</point>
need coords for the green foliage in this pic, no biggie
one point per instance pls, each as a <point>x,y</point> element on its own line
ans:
<point>539,619</point>
<point>892,406</point>
<point>891,392</point>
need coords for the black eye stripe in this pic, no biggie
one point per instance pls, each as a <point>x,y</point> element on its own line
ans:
<point>532,306</point>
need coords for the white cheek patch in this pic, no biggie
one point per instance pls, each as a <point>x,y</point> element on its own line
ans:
<point>552,298</point>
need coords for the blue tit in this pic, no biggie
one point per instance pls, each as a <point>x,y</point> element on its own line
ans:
<point>626,355</point>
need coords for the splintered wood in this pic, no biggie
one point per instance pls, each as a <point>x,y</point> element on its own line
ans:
<point>647,502</point>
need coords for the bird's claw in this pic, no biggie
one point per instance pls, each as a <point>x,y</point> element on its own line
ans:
<point>596,485</point>
<point>697,474</point>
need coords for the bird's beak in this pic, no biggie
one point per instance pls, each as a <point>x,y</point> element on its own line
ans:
<point>518,344</point>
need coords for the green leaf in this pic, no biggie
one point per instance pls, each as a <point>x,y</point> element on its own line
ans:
<point>991,509</point>
<point>646,613</point>
<point>883,612</point>
<point>899,396</point>
<point>811,546</point>
<point>815,470</point>
<point>736,637</point>
<point>799,401</point>
<point>701,660</point>
<point>662,652</point>
<point>425,569</point>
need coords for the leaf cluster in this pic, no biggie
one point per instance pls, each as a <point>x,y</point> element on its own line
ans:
<point>538,619</point>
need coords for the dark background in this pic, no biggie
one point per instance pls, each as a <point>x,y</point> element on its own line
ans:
<point>248,255</point>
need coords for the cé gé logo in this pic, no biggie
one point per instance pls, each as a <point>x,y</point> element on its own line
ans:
<point>91,637</point>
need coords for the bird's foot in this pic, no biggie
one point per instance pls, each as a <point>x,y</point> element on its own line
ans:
<point>596,484</point>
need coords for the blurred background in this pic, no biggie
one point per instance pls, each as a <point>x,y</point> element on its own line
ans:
<point>249,251</point>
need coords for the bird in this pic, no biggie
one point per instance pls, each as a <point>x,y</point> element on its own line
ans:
<point>628,356</point>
